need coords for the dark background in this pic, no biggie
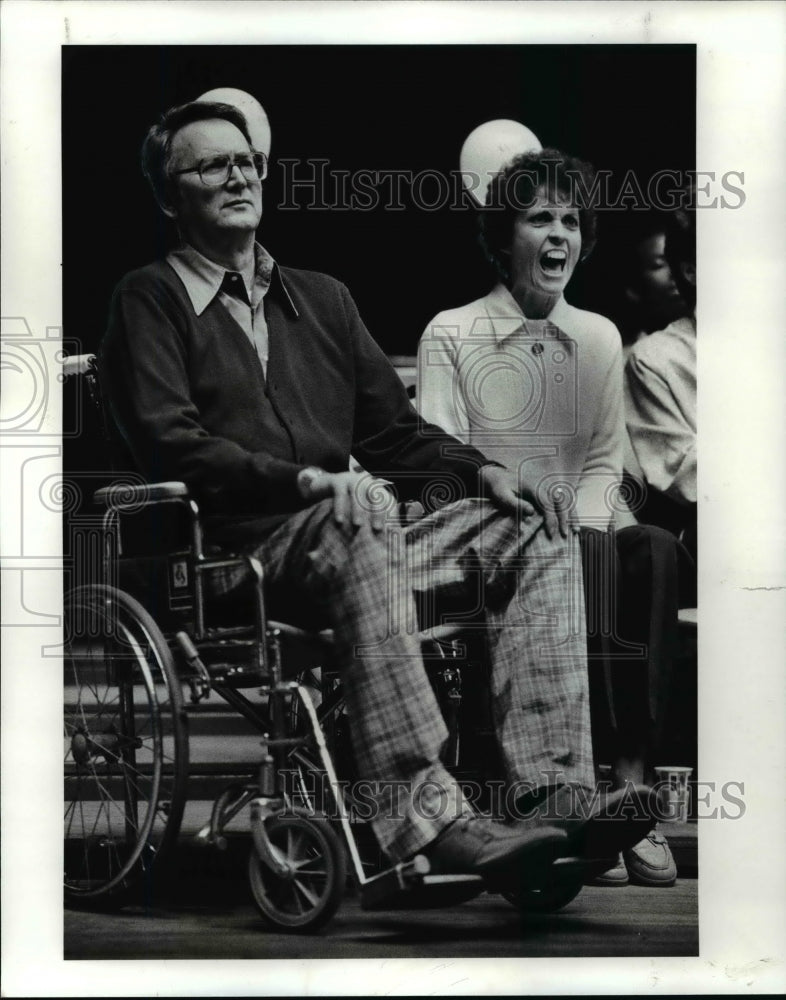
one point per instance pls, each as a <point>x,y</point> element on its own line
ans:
<point>367,107</point>
<point>375,108</point>
<point>361,107</point>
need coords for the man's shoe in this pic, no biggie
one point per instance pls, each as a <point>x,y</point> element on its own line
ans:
<point>612,877</point>
<point>650,862</point>
<point>598,826</point>
<point>475,845</point>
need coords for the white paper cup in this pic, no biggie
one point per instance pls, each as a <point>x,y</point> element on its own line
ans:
<point>674,792</point>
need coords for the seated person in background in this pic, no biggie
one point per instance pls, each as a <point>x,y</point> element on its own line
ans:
<point>536,384</point>
<point>660,399</point>
<point>253,383</point>
<point>632,281</point>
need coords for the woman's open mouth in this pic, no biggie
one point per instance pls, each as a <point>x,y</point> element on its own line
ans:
<point>554,261</point>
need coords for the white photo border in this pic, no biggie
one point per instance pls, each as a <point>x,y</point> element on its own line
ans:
<point>741,87</point>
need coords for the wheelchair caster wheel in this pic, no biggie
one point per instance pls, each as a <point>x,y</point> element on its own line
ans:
<point>546,900</point>
<point>307,897</point>
<point>564,881</point>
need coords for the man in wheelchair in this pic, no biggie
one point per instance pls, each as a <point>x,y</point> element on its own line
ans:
<point>259,387</point>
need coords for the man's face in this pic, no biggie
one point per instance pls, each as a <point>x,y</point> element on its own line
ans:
<point>207,214</point>
<point>546,245</point>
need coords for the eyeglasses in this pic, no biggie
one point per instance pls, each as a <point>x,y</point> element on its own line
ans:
<point>216,170</point>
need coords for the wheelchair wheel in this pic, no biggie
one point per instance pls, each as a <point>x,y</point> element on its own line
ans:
<point>306,898</point>
<point>125,746</point>
<point>546,900</point>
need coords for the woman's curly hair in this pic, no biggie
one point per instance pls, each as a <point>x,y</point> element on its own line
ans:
<point>515,188</point>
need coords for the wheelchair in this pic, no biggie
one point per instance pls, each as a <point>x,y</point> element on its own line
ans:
<point>144,647</point>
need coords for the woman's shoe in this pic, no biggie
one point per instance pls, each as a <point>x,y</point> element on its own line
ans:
<point>650,862</point>
<point>612,877</point>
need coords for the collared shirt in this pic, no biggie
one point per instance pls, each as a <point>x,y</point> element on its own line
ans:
<point>660,409</point>
<point>241,295</point>
<point>543,397</point>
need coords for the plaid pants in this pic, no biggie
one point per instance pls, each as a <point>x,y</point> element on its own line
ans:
<point>363,585</point>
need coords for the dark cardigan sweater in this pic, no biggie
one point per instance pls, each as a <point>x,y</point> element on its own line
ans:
<point>189,400</point>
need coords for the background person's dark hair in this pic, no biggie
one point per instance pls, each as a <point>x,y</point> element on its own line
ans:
<point>618,277</point>
<point>515,187</point>
<point>631,230</point>
<point>681,250</point>
<point>157,144</point>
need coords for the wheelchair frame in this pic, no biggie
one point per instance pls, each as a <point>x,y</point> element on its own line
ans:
<point>126,743</point>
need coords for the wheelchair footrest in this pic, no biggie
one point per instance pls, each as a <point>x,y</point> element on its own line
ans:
<point>409,885</point>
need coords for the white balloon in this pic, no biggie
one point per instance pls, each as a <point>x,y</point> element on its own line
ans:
<point>258,124</point>
<point>488,148</point>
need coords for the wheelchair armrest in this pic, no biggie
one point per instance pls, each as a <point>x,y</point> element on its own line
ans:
<point>79,364</point>
<point>441,633</point>
<point>437,633</point>
<point>325,637</point>
<point>122,496</point>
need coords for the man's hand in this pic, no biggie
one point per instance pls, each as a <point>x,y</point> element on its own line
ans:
<point>358,498</point>
<point>505,489</point>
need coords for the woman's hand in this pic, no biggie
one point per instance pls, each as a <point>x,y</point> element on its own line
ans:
<point>507,491</point>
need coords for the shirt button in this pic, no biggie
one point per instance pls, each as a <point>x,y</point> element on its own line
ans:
<point>537,348</point>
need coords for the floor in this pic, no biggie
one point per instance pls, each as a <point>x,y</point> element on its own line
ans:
<point>211,917</point>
